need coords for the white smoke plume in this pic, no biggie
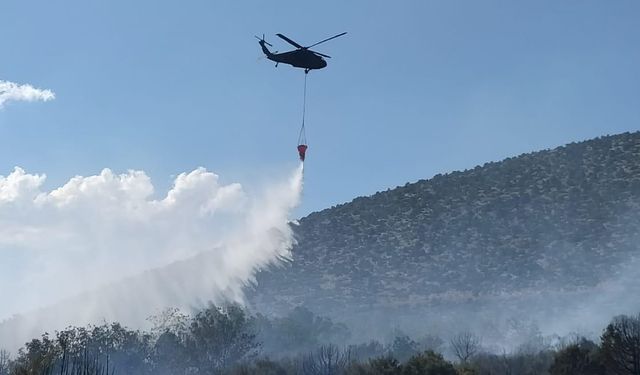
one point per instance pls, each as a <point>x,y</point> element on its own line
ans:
<point>102,248</point>
<point>10,91</point>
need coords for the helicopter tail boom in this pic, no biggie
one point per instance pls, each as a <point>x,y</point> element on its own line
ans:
<point>265,49</point>
<point>263,43</point>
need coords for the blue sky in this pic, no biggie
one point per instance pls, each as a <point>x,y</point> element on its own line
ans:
<point>414,89</point>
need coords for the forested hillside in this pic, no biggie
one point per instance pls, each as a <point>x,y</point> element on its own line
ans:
<point>563,219</point>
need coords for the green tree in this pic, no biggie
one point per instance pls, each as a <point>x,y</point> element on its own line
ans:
<point>384,366</point>
<point>62,355</point>
<point>218,338</point>
<point>169,354</point>
<point>124,349</point>
<point>428,363</point>
<point>621,345</point>
<point>581,358</point>
<point>37,357</point>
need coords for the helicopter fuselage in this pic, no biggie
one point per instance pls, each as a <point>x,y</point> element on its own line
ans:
<point>300,58</point>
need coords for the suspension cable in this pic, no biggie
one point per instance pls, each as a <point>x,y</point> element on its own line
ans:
<point>302,138</point>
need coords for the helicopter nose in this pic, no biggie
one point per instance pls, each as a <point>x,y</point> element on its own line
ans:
<point>323,63</point>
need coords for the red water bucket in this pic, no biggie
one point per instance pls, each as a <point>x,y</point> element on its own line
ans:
<point>302,149</point>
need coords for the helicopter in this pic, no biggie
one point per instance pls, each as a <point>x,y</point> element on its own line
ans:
<point>302,57</point>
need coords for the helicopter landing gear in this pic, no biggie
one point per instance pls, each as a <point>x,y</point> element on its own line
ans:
<point>277,65</point>
<point>306,71</point>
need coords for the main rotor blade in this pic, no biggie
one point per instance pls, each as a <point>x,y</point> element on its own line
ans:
<point>262,39</point>
<point>326,40</point>
<point>321,54</point>
<point>290,41</point>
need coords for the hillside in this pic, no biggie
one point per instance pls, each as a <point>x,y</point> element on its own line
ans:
<point>558,220</point>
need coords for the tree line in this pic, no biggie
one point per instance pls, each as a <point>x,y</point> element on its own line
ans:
<point>230,341</point>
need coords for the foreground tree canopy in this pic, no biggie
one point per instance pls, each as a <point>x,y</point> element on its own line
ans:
<point>228,340</point>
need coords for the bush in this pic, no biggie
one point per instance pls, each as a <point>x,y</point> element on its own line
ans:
<point>428,363</point>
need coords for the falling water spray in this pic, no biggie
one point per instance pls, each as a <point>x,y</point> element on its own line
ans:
<point>101,248</point>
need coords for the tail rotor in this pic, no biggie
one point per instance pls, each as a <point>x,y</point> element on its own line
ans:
<point>262,40</point>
